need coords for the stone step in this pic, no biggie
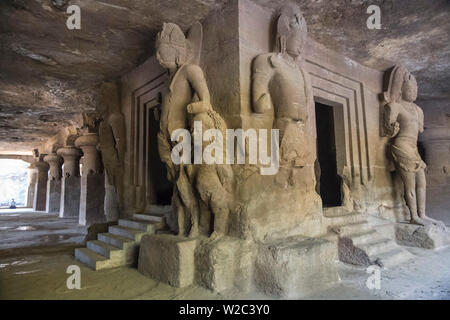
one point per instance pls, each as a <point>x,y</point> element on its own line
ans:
<point>335,211</point>
<point>115,240</point>
<point>373,249</point>
<point>146,226</point>
<point>344,219</point>
<point>149,217</point>
<point>395,257</point>
<point>164,231</point>
<point>92,259</point>
<point>351,228</point>
<point>104,249</point>
<point>130,233</point>
<point>363,237</point>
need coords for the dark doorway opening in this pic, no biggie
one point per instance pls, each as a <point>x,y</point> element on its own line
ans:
<point>162,187</point>
<point>329,180</point>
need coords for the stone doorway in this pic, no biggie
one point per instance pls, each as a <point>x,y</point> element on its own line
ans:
<point>328,179</point>
<point>160,192</point>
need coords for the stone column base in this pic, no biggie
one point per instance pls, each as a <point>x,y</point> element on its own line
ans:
<point>92,199</point>
<point>288,268</point>
<point>168,258</point>
<point>53,196</point>
<point>295,267</point>
<point>225,263</point>
<point>70,197</point>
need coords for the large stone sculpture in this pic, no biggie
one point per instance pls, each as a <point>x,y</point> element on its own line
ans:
<point>281,89</point>
<point>403,121</point>
<point>237,219</point>
<point>187,98</point>
<point>112,142</point>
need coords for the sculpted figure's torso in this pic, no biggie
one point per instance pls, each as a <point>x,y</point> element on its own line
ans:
<point>281,89</point>
<point>107,142</point>
<point>409,118</point>
<point>180,94</point>
<point>286,84</point>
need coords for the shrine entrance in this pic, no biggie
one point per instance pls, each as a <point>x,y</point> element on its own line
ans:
<point>329,180</point>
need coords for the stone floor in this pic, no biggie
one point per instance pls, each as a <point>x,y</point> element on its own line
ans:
<point>23,228</point>
<point>38,270</point>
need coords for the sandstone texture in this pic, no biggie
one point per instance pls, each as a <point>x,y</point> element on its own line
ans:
<point>295,267</point>
<point>47,69</point>
<point>168,259</point>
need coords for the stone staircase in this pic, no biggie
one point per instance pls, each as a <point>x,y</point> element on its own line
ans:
<point>120,245</point>
<point>377,243</point>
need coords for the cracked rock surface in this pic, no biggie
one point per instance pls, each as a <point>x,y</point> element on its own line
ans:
<point>49,74</point>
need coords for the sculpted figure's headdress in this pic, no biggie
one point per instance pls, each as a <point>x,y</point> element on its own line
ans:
<point>393,82</point>
<point>172,35</point>
<point>189,46</point>
<point>291,24</point>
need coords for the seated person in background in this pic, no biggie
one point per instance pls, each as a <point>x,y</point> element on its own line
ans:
<point>13,204</point>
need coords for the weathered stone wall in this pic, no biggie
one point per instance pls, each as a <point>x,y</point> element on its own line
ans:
<point>436,146</point>
<point>220,61</point>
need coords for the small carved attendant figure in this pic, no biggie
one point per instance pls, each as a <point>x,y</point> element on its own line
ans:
<point>403,121</point>
<point>281,88</point>
<point>213,182</point>
<point>180,55</point>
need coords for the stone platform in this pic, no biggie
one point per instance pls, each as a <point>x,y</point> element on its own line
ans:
<point>295,267</point>
<point>433,236</point>
<point>287,268</point>
<point>168,259</point>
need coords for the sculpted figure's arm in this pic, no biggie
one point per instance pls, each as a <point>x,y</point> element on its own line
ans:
<point>116,122</point>
<point>390,123</point>
<point>420,112</point>
<point>198,83</point>
<point>165,155</point>
<point>261,75</point>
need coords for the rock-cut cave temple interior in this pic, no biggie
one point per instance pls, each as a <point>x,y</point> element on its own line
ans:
<point>226,148</point>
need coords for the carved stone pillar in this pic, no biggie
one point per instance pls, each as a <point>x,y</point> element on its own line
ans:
<point>40,193</point>
<point>54,183</point>
<point>70,184</point>
<point>32,179</point>
<point>92,182</point>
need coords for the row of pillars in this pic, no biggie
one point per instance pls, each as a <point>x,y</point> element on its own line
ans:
<point>57,188</point>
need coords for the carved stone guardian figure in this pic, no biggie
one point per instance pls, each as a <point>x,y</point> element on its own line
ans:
<point>180,56</point>
<point>403,121</point>
<point>112,145</point>
<point>282,90</point>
